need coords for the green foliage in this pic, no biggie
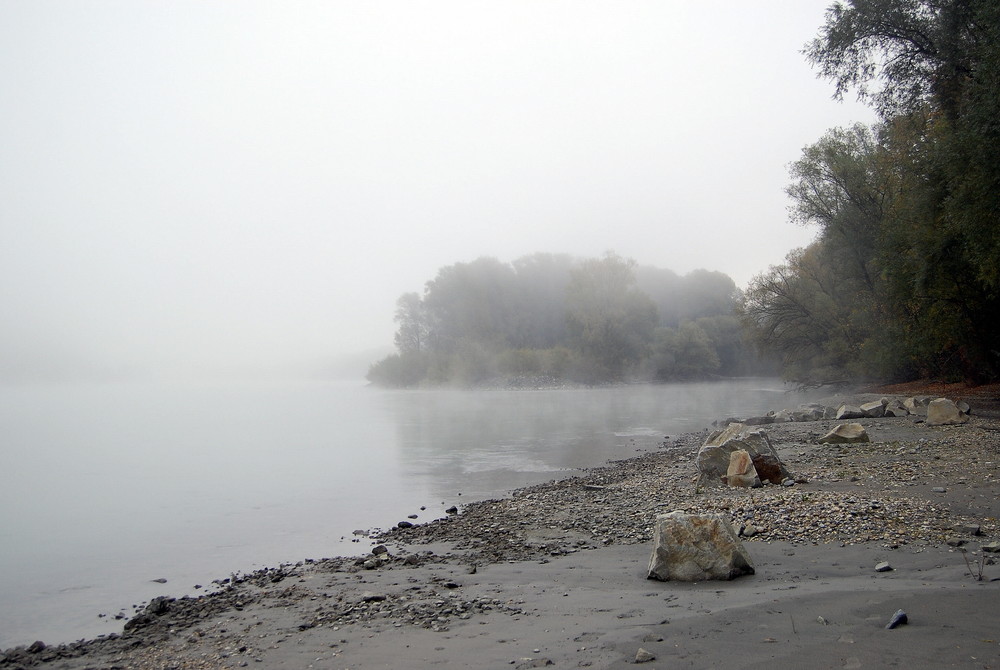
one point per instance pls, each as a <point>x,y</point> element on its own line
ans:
<point>686,352</point>
<point>903,279</point>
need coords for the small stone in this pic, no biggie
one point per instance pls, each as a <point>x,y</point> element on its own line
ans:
<point>380,549</point>
<point>643,656</point>
<point>939,489</point>
<point>159,580</point>
<point>404,524</point>
<point>970,529</point>
<point>411,516</point>
<point>451,510</point>
<point>955,541</point>
<point>788,482</point>
<point>898,619</point>
<point>36,647</point>
<point>883,567</point>
<point>991,547</point>
<point>372,597</point>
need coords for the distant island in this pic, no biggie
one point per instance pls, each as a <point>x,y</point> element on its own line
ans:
<point>554,319</point>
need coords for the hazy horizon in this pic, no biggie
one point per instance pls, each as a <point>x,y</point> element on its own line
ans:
<point>227,189</point>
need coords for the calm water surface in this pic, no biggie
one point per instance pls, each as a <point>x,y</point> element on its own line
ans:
<point>108,487</point>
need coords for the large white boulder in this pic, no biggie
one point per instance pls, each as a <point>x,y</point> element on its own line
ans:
<point>695,548</point>
<point>845,433</point>
<point>943,412</point>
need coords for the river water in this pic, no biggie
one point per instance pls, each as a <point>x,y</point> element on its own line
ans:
<point>105,488</point>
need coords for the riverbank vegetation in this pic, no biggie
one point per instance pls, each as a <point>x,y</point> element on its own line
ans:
<point>902,281</point>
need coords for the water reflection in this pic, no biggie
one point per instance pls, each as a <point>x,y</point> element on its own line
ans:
<point>485,443</point>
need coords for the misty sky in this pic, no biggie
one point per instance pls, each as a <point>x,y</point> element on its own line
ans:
<point>210,187</point>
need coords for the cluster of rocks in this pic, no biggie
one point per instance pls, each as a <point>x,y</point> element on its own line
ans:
<point>937,411</point>
<point>741,455</point>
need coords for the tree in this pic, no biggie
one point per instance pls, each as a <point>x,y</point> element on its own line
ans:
<point>609,320</point>
<point>411,335</point>
<point>472,302</point>
<point>912,51</point>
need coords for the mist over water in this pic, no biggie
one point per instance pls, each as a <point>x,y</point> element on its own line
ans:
<point>109,486</point>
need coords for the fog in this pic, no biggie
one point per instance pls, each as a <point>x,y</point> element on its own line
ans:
<point>221,188</point>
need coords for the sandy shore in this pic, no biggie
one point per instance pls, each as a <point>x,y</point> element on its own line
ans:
<point>555,574</point>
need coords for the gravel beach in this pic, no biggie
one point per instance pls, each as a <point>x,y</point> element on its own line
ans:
<point>554,574</point>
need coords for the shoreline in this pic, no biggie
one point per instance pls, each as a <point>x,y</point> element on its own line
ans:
<point>555,572</point>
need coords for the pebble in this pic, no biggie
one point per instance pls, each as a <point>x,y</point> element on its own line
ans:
<point>898,619</point>
<point>643,656</point>
<point>883,567</point>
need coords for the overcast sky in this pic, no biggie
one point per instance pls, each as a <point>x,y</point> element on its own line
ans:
<point>206,186</point>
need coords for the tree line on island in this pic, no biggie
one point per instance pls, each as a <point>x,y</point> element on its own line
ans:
<point>553,316</point>
<point>902,281</point>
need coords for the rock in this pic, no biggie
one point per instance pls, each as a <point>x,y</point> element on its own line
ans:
<point>895,408</point>
<point>758,420</point>
<point>943,412</point>
<point>783,416</point>
<point>963,407</point>
<point>955,541</point>
<point>807,413</point>
<point>404,524</point>
<point>883,567</point>
<point>741,472</point>
<point>917,405</point>
<point>898,619</point>
<point>873,410</point>
<point>694,548</point>
<point>749,531</point>
<point>36,647</point>
<point>939,489</point>
<point>970,529</point>
<point>713,457</point>
<point>451,510</point>
<point>845,433</point>
<point>849,412</point>
<point>380,549</point>
<point>372,597</point>
<point>643,656</point>
<point>991,547</point>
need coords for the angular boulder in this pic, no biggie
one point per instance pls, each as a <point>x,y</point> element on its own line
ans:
<point>845,433</point>
<point>713,457</point>
<point>849,412</point>
<point>943,412</point>
<point>873,410</point>
<point>741,472</point>
<point>695,548</point>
